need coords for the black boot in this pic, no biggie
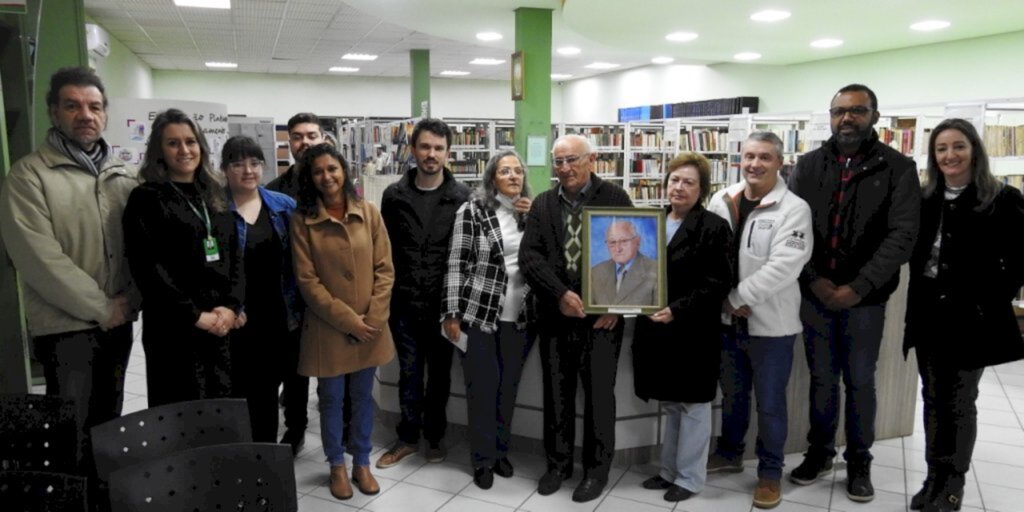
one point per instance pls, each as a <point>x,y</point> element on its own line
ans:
<point>949,493</point>
<point>926,493</point>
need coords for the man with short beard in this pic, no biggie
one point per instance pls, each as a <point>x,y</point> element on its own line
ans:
<point>865,200</point>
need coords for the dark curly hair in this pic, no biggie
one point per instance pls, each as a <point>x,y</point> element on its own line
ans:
<point>308,193</point>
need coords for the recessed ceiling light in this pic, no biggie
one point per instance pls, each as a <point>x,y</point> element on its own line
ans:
<point>662,60</point>
<point>343,69</point>
<point>358,56</point>
<point>568,50</point>
<point>827,43</point>
<point>206,4</point>
<point>560,76</point>
<point>223,65</point>
<point>601,65</point>
<point>681,37</point>
<point>452,72</point>
<point>481,61</point>
<point>769,16</point>
<point>928,25</point>
<point>747,56</point>
<point>488,36</point>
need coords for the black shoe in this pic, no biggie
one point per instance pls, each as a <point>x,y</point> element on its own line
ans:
<point>294,438</point>
<point>676,493</point>
<point>810,470</point>
<point>589,489</point>
<point>718,463</point>
<point>436,452</point>
<point>550,482</point>
<point>926,493</point>
<point>945,502</point>
<point>483,478</point>
<point>858,482</point>
<point>503,468</point>
<point>656,482</point>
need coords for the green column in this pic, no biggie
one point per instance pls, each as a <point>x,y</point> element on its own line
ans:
<point>419,69</point>
<point>60,43</point>
<point>533,112</point>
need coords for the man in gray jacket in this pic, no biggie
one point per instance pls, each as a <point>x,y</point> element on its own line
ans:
<point>60,219</point>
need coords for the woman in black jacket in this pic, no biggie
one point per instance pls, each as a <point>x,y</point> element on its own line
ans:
<point>179,240</point>
<point>967,267</point>
<point>676,351</point>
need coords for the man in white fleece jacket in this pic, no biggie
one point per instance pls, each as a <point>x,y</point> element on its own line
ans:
<point>772,242</point>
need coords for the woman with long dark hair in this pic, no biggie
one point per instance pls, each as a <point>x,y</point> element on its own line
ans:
<point>178,238</point>
<point>966,268</point>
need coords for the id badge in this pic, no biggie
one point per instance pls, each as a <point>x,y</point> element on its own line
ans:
<point>210,248</point>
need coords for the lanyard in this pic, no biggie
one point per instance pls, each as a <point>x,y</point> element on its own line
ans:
<point>205,217</point>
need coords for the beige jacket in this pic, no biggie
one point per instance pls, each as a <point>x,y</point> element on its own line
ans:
<point>62,228</point>
<point>343,270</point>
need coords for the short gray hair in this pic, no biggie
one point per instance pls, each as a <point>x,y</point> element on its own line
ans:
<point>626,224</point>
<point>770,138</point>
<point>585,142</point>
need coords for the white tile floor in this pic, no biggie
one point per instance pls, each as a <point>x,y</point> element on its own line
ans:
<point>996,481</point>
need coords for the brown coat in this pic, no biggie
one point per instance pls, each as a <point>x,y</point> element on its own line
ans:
<point>344,270</point>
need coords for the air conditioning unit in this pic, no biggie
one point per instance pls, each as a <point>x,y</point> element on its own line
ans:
<point>97,41</point>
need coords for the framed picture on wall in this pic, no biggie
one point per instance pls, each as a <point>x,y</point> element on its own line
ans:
<point>517,76</point>
<point>623,260</point>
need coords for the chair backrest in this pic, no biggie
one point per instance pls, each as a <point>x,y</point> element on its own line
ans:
<point>38,433</point>
<point>228,477</point>
<point>38,491</point>
<point>153,433</point>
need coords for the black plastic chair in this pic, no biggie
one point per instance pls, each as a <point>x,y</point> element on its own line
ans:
<point>153,433</point>
<point>230,477</point>
<point>38,433</point>
<point>38,491</point>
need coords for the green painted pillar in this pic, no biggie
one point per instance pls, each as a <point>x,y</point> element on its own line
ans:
<point>533,112</point>
<point>419,69</point>
<point>60,44</point>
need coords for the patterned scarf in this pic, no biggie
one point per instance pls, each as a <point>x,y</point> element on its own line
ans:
<point>90,160</point>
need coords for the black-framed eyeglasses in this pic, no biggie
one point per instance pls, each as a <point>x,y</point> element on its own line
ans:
<point>570,160</point>
<point>858,111</point>
<point>242,165</point>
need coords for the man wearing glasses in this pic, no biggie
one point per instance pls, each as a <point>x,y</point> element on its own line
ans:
<point>571,342</point>
<point>865,199</point>
<point>628,277</point>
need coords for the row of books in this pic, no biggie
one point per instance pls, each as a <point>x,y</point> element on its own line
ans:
<point>469,136</point>
<point>1004,140</point>
<point>704,139</point>
<point>599,137</point>
<point>647,190</point>
<point>641,139</point>
<point>647,166</point>
<point>467,166</point>
<point>716,107</point>
<point>900,139</point>
<point>504,136</point>
<point>791,140</point>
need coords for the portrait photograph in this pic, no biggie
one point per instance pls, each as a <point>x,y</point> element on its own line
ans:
<point>623,260</point>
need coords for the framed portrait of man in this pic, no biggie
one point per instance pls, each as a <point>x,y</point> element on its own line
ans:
<point>623,260</point>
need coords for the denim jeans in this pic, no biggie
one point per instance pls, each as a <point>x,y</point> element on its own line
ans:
<point>949,395</point>
<point>842,343</point>
<point>761,363</point>
<point>422,354</point>
<point>332,396</point>
<point>684,448</point>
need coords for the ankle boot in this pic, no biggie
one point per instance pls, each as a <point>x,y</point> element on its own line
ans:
<point>948,493</point>
<point>926,493</point>
<point>340,486</point>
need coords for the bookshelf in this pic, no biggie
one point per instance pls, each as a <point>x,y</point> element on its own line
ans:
<point>282,151</point>
<point>1004,140</point>
<point>607,141</point>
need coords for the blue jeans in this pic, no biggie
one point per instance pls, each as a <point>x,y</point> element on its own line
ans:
<point>761,363</point>
<point>332,398</point>
<point>842,343</point>
<point>422,354</point>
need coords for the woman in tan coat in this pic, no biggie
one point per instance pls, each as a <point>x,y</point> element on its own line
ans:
<point>343,269</point>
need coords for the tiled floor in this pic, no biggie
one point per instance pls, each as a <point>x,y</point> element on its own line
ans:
<point>995,483</point>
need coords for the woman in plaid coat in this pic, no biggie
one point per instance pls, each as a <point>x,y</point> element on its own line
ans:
<point>485,296</point>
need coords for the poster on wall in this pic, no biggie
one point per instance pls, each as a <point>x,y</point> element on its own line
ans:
<point>129,121</point>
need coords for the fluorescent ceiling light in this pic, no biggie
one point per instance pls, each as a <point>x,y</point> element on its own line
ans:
<point>568,50</point>
<point>747,56</point>
<point>560,76</point>
<point>929,25</point>
<point>358,56</point>
<point>223,65</point>
<point>601,65</point>
<point>681,37</point>
<point>452,72</point>
<point>206,4</point>
<point>482,61</point>
<point>827,43</point>
<point>663,60</point>
<point>769,16</point>
<point>343,69</point>
<point>488,36</point>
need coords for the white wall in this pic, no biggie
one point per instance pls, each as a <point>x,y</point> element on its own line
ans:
<point>281,96</point>
<point>124,74</point>
<point>972,69</point>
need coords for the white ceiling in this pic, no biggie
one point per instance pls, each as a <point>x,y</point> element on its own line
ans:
<point>310,36</point>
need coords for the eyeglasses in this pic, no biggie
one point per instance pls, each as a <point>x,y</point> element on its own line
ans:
<point>508,171</point>
<point>620,241</point>
<point>570,160</point>
<point>858,111</point>
<point>241,166</point>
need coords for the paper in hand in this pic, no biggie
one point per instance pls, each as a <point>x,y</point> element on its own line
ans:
<point>462,341</point>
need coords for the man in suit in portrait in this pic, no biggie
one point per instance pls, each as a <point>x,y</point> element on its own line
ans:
<point>628,278</point>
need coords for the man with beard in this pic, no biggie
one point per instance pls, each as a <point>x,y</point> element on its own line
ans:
<point>865,201</point>
<point>419,213</point>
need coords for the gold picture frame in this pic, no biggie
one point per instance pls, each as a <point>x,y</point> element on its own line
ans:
<point>641,289</point>
<point>518,73</point>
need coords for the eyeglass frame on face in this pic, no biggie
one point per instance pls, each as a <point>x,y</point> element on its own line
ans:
<point>858,111</point>
<point>557,162</point>
<point>242,165</point>
<point>620,241</point>
<point>508,171</point>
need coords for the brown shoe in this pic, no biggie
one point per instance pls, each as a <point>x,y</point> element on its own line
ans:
<point>395,455</point>
<point>364,480</point>
<point>768,493</point>
<point>341,488</point>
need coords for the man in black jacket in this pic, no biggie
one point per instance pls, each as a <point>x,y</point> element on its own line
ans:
<point>571,342</point>
<point>865,201</point>
<point>419,212</point>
